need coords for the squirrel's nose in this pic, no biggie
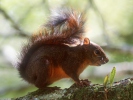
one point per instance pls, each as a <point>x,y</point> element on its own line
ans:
<point>106,60</point>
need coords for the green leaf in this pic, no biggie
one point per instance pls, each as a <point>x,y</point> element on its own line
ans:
<point>106,80</point>
<point>112,75</point>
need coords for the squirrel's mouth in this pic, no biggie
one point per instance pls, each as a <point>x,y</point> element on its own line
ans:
<point>102,61</point>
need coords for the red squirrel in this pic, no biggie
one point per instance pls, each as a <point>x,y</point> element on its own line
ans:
<point>59,50</point>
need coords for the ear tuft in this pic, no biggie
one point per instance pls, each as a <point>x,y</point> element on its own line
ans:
<point>86,41</point>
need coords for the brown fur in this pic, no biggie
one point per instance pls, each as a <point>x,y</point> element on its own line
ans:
<point>59,50</point>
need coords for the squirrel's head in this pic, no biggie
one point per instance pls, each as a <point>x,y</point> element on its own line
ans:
<point>94,53</point>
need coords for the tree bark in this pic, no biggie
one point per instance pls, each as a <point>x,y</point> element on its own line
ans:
<point>121,90</point>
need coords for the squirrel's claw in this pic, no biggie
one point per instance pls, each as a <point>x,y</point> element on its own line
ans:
<point>82,83</point>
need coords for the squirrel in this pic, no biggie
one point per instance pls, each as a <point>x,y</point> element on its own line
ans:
<point>59,50</point>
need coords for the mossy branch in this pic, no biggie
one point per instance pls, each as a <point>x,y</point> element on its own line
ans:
<point>121,90</point>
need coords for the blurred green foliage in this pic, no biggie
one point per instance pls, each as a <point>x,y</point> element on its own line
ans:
<point>109,23</point>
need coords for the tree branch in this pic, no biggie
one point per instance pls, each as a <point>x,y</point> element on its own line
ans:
<point>121,90</point>
<point>14,24</point>
<point>124,49</point>
<point>103,23</point>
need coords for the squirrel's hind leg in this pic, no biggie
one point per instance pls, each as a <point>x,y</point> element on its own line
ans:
<point>41,72</point>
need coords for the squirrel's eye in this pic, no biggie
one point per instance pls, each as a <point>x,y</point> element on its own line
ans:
<point>97,52</point>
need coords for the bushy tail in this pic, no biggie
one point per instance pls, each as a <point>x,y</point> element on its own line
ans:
<point>67,22</point>
<point>64,26</point>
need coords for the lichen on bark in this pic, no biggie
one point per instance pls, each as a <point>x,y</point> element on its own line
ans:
<point>121,90</point>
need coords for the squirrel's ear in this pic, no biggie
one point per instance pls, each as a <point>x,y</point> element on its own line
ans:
<point>86,41</point>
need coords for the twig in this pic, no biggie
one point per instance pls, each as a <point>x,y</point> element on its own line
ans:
<point>123,49</point>
<point>14,24</point>
<point>92,3</point>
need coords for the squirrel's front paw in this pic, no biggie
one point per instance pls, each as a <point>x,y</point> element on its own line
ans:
<point>82,83</point>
